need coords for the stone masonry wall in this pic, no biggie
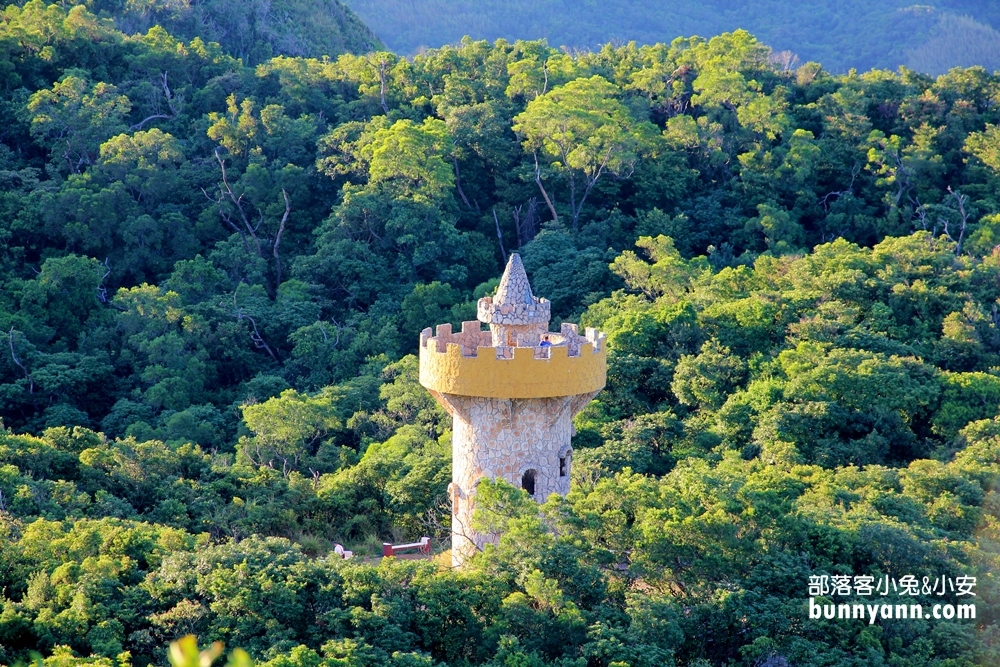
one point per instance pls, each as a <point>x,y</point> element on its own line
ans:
<point>504,438</point>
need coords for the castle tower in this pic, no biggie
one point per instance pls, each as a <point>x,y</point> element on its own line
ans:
<point>512,393</point>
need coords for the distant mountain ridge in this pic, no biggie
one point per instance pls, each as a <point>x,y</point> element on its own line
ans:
<point>253,30</point>
<point>840,34</point>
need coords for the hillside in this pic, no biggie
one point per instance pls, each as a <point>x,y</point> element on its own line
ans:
<point>214,272</point>
<point>252,30</point>
<point>956,41</point>
<point>841,35</point>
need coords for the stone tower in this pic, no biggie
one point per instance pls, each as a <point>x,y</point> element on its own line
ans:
<point>512,393</point>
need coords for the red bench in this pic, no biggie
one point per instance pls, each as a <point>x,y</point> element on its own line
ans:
<point>423,546</point>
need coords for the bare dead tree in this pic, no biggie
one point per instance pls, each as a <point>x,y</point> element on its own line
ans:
<point>326,339</point>
<point>503,253</point>
<point>545,80</point>
<point>277,240</point>
<point>961,201</point>
<point>438,527</point>
<point>286,467</point>
<point>172,104</point>
<point>855,171</point>
<point>248,224</point>
<point>246,227</point>
<point>902,178</point>
<point>168,96</point>
<point>435,519</point>
<point>527,226</point>
<point>102,291</point>
<point>138,126</point>
<point>17,362</point>
<point>258,339</point>
<point>383,70</point>
<point>786,60</point>
<point>515,212</point>
<point>920,213</point>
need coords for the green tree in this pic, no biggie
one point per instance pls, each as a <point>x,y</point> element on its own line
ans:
<point>706,379</point>
<point>287,428</point>
<point>75,117</point>
<point>588,132</point>
<point>412,158</point>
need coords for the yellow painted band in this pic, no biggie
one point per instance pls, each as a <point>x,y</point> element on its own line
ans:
<point>521,377</point>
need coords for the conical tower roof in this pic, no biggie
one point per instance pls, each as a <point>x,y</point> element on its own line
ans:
<point>514,287</point>
<point>514,303</point>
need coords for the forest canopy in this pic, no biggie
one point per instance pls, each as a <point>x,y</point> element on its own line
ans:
<point>842,34</point>
<point>214,276</point>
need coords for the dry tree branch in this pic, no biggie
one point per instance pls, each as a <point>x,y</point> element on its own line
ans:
<point>277,241</point>
<point>496,220</point>
<point>227,190</point>
<point>159,116</point>
<point>102,291</point>
<point>256,336</point>
<point>13,355</point>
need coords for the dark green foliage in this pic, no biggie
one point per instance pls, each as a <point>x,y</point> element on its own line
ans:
<point>214,277</point>
<point>252,31</point>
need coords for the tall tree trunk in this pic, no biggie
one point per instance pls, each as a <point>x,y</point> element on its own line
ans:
<point>538,180</point>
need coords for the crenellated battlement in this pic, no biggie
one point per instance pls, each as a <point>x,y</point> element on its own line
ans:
<point>472,337</point>
<point>466,364</point>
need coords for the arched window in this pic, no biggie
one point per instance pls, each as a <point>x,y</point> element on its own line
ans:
<point>528,481</point>
<point>565,457</point>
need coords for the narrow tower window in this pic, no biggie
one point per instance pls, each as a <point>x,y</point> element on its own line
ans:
<point>564,460</point>
<point>528,482</point>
